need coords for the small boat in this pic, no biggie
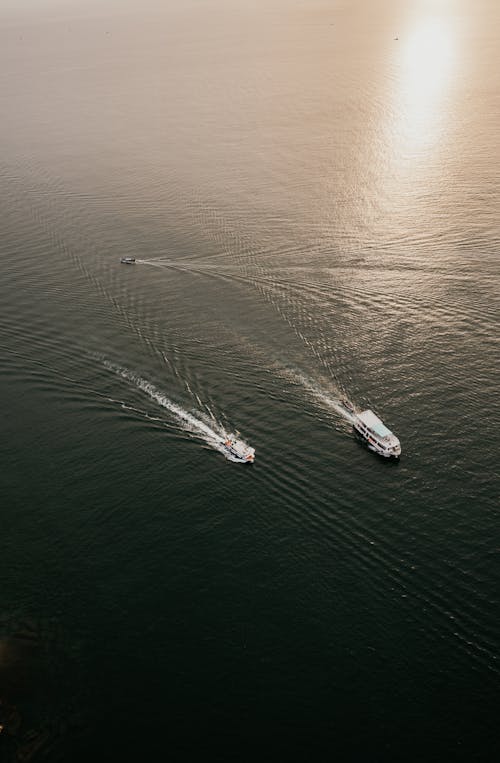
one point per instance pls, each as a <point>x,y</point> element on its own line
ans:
<point>377,436</point>
<point>127,260</point>
<point>348,405</point>
<point>239,450</point>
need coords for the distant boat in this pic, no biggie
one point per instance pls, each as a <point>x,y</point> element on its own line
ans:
<point>127,260</point>
<point>239,450</point>
<point>377,436</point>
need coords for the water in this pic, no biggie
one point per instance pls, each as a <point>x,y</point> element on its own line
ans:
<point>314,209</point>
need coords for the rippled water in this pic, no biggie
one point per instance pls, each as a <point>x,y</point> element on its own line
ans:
<point>311,190</point>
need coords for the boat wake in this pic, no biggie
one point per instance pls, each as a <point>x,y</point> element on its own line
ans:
<point>212,433</point>
<point>325,399</point>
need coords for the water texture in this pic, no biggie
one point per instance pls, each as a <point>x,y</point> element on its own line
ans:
<point>311,191</point>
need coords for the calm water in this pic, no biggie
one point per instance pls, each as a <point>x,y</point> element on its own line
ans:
<point>313,191</point>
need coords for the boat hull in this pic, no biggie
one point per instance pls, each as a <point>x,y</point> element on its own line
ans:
<point>239,451</point>
<point>372,445</point>
<point>240,460</point>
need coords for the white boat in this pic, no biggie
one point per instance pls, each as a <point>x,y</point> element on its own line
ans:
<point>127,260</point>
<point>377,436</point>
<point>239,450</point>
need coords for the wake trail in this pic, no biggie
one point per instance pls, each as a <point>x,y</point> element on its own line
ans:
<point>326,399</point>
<point>330,401</point>
<point>212,434</point>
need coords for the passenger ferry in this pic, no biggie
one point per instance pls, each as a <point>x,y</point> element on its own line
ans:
<point>377,436</point>
<point>239,450</point>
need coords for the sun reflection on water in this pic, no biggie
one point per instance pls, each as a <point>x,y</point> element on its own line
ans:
<point>427,62</point>
<point>418,128</point>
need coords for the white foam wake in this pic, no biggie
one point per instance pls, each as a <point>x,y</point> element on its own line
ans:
<point>326,399</point>
<point>213,434</point>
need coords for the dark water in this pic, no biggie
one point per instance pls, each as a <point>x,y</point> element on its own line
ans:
<point>315,204</point>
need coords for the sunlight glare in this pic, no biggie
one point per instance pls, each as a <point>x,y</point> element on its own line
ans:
<point>427,61</point>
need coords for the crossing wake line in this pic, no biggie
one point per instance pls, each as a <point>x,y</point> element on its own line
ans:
<point>213,433</point>
<point>366,423</point>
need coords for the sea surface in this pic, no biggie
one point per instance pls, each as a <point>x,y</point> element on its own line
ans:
<point>312,191</point>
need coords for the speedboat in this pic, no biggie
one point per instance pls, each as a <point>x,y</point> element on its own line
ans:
<point>377,436</point>
<point>127,260</point>
<point>239,450</point>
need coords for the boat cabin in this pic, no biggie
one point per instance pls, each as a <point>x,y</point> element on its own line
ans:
<point>377,435</point>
